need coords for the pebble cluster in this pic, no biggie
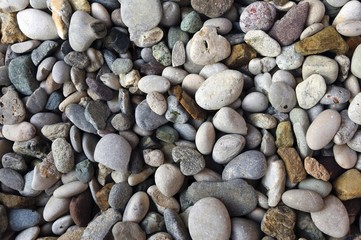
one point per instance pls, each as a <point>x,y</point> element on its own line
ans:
<point>182,119</point>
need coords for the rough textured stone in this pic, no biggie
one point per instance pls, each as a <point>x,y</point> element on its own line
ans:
<point>279,222</point>
<point>22,75</point>
<point>347,186</point>
<point>10,30</point>
<point>293,164</point>
<point>316,169</point>
<point>12,109</point>
<point>212,8</point>
<point>241,54</point>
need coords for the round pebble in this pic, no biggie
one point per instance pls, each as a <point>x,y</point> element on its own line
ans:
<point>168,179</point>
<point>257,16</point>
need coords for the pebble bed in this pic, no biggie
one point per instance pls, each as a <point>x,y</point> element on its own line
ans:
<point>182,119</point>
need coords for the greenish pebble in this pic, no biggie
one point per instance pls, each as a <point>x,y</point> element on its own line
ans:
<point>191,23</point>
<point>167,134</point>
<point>22,73</point>
<point>84,171</point>
<point>176,34</point>
<point>162,54</point>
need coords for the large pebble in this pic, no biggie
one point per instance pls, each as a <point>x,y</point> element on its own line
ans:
<point>326,67</point>
<point>55,208</point>
<point>128,230</point>
<point>153,83</point>
<point>168,179</point>
<point>70,189</point>
<point>282,97</point>
<point>208,47</point>
<point>323,129</point>
<point>239,197</point>
<point>356,61</point>
<point>257,16</point>
<point>263,43</point>
<point>13,6</point>
<point>332,219</point>
<point>227,147</point>
<point>220,90</point>
<point>19,132</point>
<point>310,91</point>
<point>37,24</point>
<point>199,225</point>
<point>63,155</point>
<point>303,200</point>
<point>20,219</point>
<point>113,151</point>
<point>248,165</point>
<point>255,102</point>
<point>349,11</point>
<point>137,208</point>
<point>229,120</point>
<point>133,16</point>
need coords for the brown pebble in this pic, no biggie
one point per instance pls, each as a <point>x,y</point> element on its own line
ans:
<point>10,30</point>
<point>325,40</point>
<point>352,43</point>
<point>81,208</point>
<point>279,222</point>
<point>293,164</point>
<point>102,196</point>
<point>73,234</point>
<point>348,185</point>
<point>316,169</point>
<point>241,55</point>
<point>14,201</point>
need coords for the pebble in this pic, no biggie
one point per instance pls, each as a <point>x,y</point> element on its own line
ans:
<point>303,200</point>
<point>262,120</point>
<point>63,155</point>
<point>19,132</point>
<point>316,169</point>
<point>25,47</point>
<point>243,227</point>
<point>29,233</point>
<point>191,161</point>
<point>11,179</point>
<point>289,58</point>
<point>207,47</point>
<point>168,179</point>
<point>282,97</point>
<point>209,208</point>
<point>284,135</point>
<point>127,230</point>
<point>248,165</point>
<point>147,38</point>
<point>14,161</point>
<point>62,224</point>
<point>36,24</point>
<point>175,112</point>
<point>70,189</point>
<point>79,208</point>
<point>263,43</point>
<point>324,66</point>
<point>136,208</point>
<point>347,186</point>
<point>345,156</point>
<point>167,134</point>
<point>112,159</point>
<point>171,14</point>
<point>55,208</point>
<point>257,16</point>
<point>213,8</point>
<point>223,25</point>
<point>175,225</point>
<point>178,54</point>
<point>161,236</point>
<point>316,12</point>
<point>243,199</point>
<point>146,118</point>
<point>274,180</point>
<point>45,68</point>
<point>332,219</point>
<point>131,12</point>
<point>229,121</point>
<point>310,91</point>
<point>13,6</point>
<point>306,226</point>
<point>326,125</point>
<point>41,52</point>
<point>349,11</point>
<point>162,202</point>
<point>117,40</point>
<point>186,131</point>
<point>205,138</point>
<point>99,227</point>
<point>119,195</point>
<point>191,23</point>
<point>279,222</point>
<point>77,59</point>
<point>294,21</point>
<point>350,28</point>
<point>232,84</point>
<point>21,219</point>
<point>37,101</point>
<point>293,163</point>
<point>356,62</point>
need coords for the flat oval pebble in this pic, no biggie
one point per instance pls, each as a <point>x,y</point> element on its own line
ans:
<point>153,83</point>
<point>317,64</point>
<point>37,24</point>
<point>62,224</point>
<point>199,225</point>
<point>248,165</point>
<point>321,187</point>
<point>11,179</point>
<point>168,179</point>
<point>19,132</point>
<point>332,219</point>
<point>29,233</point>
<point>113,151</point>
<point>55,208</point>
<point>227,147</point>
<point>326,125</point>
<point>344,156</point>
<point>136,208</point>
<point>303,200</point>
<point>220,90</point>
<point>70,189</point>
<point>20,219</point>
<point>229,121</point>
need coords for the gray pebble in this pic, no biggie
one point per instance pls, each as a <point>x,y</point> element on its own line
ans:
<point>282,97</point>
<point>88,143</point>
<point>253,137</point>
<point>268,144</point>
<point>75,138</point>
<point>300,123</point>
<point>171,14</point>
<point>101,91</point>
<point>97,113</point>
<point>176,34</point>
<point>12,109</point>
<point>306,226</point>
<point>119,195</point>
<point>175,226</point>
<point>128,230</point>
<point>186,131</point>
<point>76,114</point>
<point>136,208</point>
<point>175,112</point>
<point>243,227</point>
<point>77,76</point>
<point>4,76</point>
<point>20,219</point>
<point>84,171</point>
<point>191,161</point>
<point>178,54</point>
<point>255,102</point>
<point>192,22</point>
<point>321,187</point>
<point>61,72</point>
<point>14,161</point>
<point>229,120</point>
<point>121,122</point>
<point>162,54</point>
<point>11,179</point>
<point>63,155</point>
<point>25,47</point>
<point>227,147</point>
<point>41,52</point>
<point>36,101</point>
<point>121,66</point>
<point>239,197</point>
<point>167,134</point>
<point>152,223</point>
<point>45,68</point>
<point>347,129</point>
<point>146,118</point>
<point>77,59</point>
<point>335,95</point>
<point>248,165</point>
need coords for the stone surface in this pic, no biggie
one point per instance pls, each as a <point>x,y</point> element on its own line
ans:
<point>274,180</point>
<point>293,164</point>
<point>238,197</point>
<point>279,222</point>
<point>79,208</point>
<point>303,200</point>
<point>10,30</point>
<point>128,230</point>
<point>175,225</point>
<point>228,120</point>
<point>208,47</point>
<point>347,186</point>
<point>11,179</point>
<point>191,161</point>
<point>118,157</point>
<point>316,169</point>
<point>191,23</point>
<point>213,8</point>
<point>241,54</point>
<point>168,179</point>
<point>257,16</point>
<point>63,155</point>
<point>146,118</point>
<point>332,219</point>
<point>326,125</point>
<point>248,165</point>
<point>211,95</point>
<point>324,66</point>
<point>282,97</point>
<point>136,208</point>
<point>19,132</point>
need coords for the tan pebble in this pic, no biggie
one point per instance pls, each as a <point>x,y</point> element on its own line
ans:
<point>284,136</point>
<point>348,185</point>
<point>162,202</point>
<point>61,14</point>
<point>153,158</point>
<point>73,98</point>
<point>316,169</point>
<point>344,156</point>
<point>82,5</point>
<point>10,30</point>
<point>137,208</point>
<point>50,85</point>
<point>157,102</point>
<point>293,164</point>
<point>136,178</point>
<point>102,196</point>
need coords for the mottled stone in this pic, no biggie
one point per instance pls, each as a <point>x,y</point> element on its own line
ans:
<point>128,230</point>
<point>347,186</point>
<point>279,222</point>
<point>325,40</point>
<point>191,161</point>
<point>12,109</point>
<point>316,169</point>
<point>191,23</point>
<point>63,155</point>
<point>10,30</point>
<point>284,135</point>
<point>15,201</point>
<point>213,8</point>
<point>22,75</point>
<point>293,164</point>
<point>241,54</point>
